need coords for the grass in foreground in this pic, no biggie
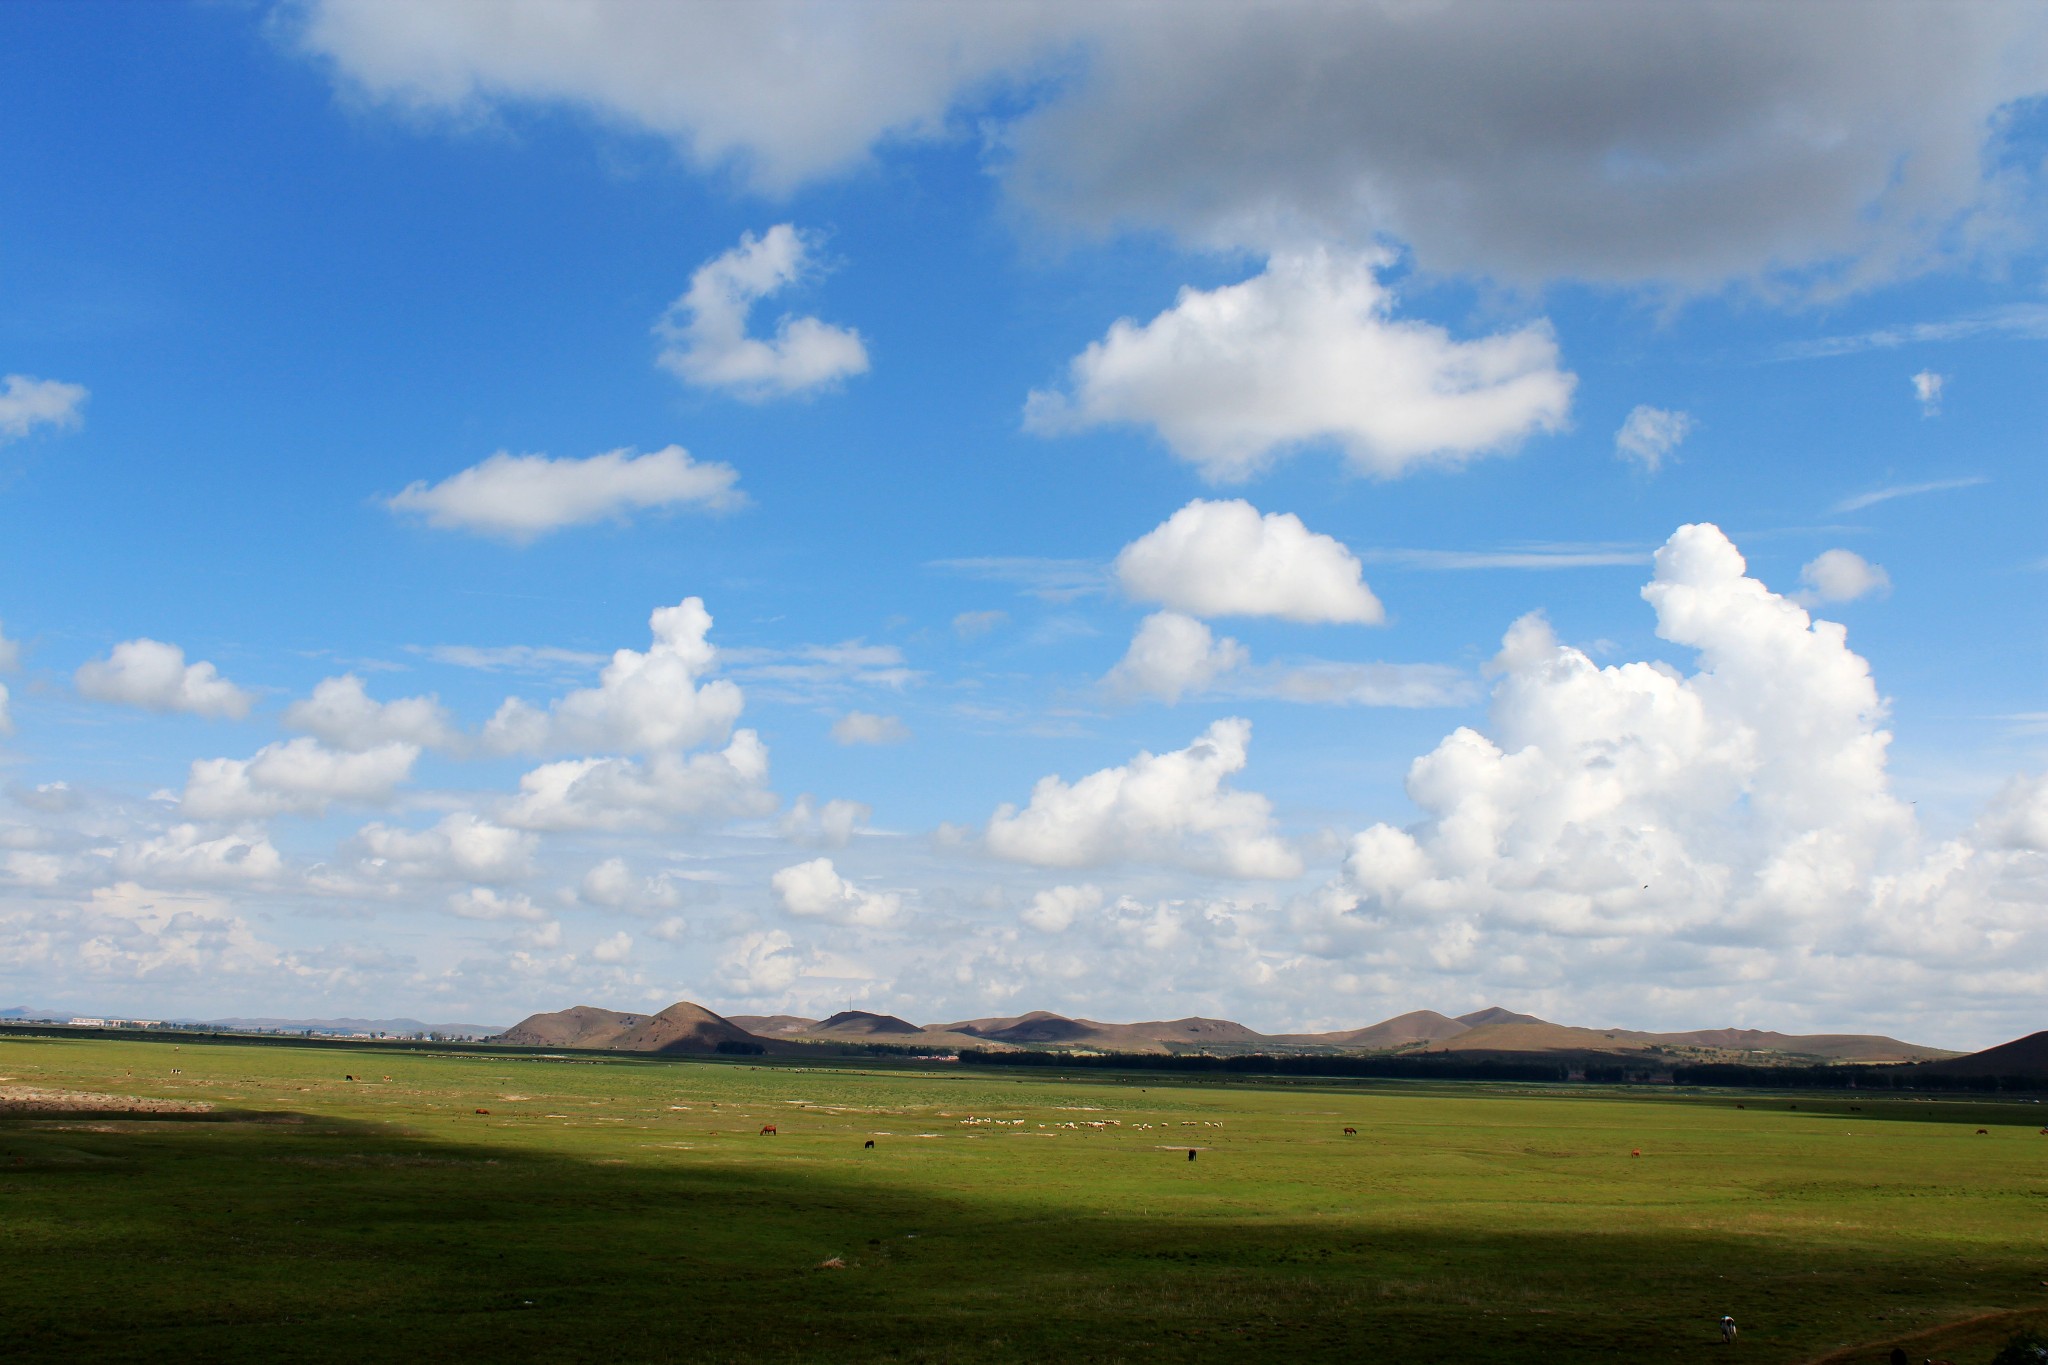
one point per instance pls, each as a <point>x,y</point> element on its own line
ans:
<point>628,1210</point>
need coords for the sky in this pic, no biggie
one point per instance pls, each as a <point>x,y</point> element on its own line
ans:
<point>1280,511</point>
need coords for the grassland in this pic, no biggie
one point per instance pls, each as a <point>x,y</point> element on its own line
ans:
<point>629,1210</point>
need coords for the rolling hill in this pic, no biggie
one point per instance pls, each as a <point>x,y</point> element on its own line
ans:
<point>1493,1032</point>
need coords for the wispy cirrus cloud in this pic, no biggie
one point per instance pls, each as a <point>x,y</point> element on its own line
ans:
<point>1569,555</point>
<point>1053,580</point>
<point>2020,321</point>
<point>1905,490</point>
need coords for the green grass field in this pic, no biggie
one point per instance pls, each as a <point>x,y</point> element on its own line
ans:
<point>626,1210</point>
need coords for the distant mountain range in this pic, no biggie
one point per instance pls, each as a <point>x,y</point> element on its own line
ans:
<point>402,1027</point>
<point>1491,1032</point>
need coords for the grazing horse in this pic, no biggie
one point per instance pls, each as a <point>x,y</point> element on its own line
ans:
<point>1350,1132</point>
<point>768,1130</point>
<point>1635,1151</point>
<point>871,1145</point>
<point>483,1111</point>
<point>1727,1330</point>
<point>1191,1154</point>
<point>1983,1132</point>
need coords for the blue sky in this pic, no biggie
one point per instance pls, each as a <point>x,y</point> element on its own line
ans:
<point>1344,357</point>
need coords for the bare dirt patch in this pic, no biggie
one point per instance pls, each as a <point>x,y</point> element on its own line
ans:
<point>36,1101</point>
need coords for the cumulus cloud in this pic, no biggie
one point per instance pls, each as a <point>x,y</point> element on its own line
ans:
<point>1682,827</point>
<point>1682,145</point>
<point>1648,435</point>
<point>815,890</point>
<point>1053,910</point>
<point>862,727</point>
<point>463,846</point>
<point>614,950</point>
<point>622,793</point>
<point>1224,559</point>
<point>341,713</point>
<point>6,720</point>
<point>1175,809</point>
<point>27,403</point>
<point>1172,654</point>
<point>186,854</point>
<point>10,652</point>
<point>1840,576</point>
<point>644,701</point>
<point>1310,351</point>
<point>522,497</point>
<point>832,823</point>
<point>294,777</point>
<point>704,333</point>
<point>612,884</point>
<point>484,903</point>
<point>1927,387</point>
<point>153,675</point>
<point>761,964</point>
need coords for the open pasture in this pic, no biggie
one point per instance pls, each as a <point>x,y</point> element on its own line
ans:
<point>624,1210</point>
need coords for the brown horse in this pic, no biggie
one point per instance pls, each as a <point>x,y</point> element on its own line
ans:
<point>767,1130</point>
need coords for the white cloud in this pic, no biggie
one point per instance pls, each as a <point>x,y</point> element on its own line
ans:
<point>972,625</point>
<point>1224,559</point>
<point>761,964</point>
<point>1841,576</point>
<point>1927,387</point>
<point>1172,654</point>
<point>1324,682</point>
<point>1175,809</point>
<point>612,884</point>
<point>27,403</point>
<point>1053,910</point>
<point>522,497</point>
<point>862,727</point>
<point>481,902</point>
<point>815,890</point>
<point>6,720</point>
<point>1907,490</point>
<point>614,950</point>
<point>1310,351</point>
<point>461,847</point>
<point>155,676</point>
<point>619,793</point>
<point>782,92</point>
<point>1680,144</point>
<point>643,702</point>
<point>1648,435</point>
<point>294,777</point>
<point>1679,827</point>
<point>832,824</point>
<point>516,658</point>
<point>341,713</point>
<point>705,331</point>
<point>10,653</point>
<point>184,854</point>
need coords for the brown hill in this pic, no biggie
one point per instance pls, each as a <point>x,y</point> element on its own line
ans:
<point>1833,1047</point>
<point>683,1027</point>
<point>1494,1014</point>
<point>1403,1030</point>
<point>583,1026</point>
<point>861,1024</point>
<point>771,1025</point>
<point>2026,1056</point>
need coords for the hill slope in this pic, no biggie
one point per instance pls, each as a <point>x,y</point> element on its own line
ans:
<point>2026,1056</point>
